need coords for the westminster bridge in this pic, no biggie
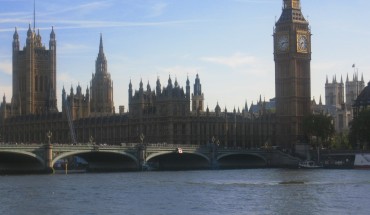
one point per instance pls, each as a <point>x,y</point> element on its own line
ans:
<point>133,156</point>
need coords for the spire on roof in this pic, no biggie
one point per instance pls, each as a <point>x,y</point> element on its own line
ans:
<point>101,50</point>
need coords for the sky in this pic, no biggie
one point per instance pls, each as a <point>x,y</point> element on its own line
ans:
<point>228,43</point>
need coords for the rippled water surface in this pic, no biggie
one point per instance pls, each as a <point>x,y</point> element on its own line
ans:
<point>257,191</point>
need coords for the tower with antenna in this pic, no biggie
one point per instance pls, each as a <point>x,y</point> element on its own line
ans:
<point>34,74</point>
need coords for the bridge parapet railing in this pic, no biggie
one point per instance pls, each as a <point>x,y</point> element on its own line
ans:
<point>331,151</point>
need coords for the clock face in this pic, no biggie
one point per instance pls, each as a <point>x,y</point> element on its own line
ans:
<point>283,42</point>
<point>302,43</point>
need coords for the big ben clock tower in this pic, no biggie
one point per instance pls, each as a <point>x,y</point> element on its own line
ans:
<point>292,55</point>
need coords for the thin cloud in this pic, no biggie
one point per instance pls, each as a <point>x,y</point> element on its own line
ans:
<point>70,48</point>
<point>105,24</point>
<point>65,78</point>
<point>256,1</point>
<point>26,17</point>
<point>158,9</point>
<point>82,24</point>
<point>234,61</point>
<point>82,9</point>
<point>6,67</point>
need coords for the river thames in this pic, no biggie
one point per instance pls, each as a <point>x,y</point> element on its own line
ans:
<point>252,191</point>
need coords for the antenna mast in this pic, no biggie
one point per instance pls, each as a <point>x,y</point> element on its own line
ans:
<point>34,15</point>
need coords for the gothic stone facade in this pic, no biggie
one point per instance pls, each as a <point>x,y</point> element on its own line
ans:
<point>164,115</point>
<point>34,75</point>
<point>161,118</point>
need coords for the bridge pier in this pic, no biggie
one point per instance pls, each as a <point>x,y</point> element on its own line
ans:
<point>48,158</point>
<point>141,153</point>
<point>213,156</point>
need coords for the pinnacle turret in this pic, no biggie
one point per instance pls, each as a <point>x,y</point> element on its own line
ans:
<point>141,85</point>
<point>29,32</point>
<point>101,49</point>
<point>158,87</point>
<point>15,35</point>
<point>169,81</point>
<point>197,86</point>
<point>148,87</point>
<point>101,61</point>
<point>176,83</point>
<point>52,33</point>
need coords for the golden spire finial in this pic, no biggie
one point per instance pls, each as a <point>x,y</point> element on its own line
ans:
<point>292,4</point>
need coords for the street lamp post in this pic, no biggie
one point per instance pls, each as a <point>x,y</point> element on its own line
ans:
<point>142,149</point>
<point>91,140</point>
<point>49,152</point>
<point>49,135</point>
<point>215,144</point>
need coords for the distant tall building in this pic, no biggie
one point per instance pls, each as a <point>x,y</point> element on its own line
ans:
<point>292,54</point>
<point>101,86</point>
<point>338,106</point>
<point>353,89</point>
<point>34,75</point>
<point>334,92</point>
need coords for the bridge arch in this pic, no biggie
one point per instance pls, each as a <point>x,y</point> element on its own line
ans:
<point>241,160</point>
<point>164,153</point>
<point>103,160</point>
<point>178,161</point>
<point>21,161</point>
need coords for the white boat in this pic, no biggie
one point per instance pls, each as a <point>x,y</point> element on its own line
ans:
<point>362,161</point>
<point>309,165</point>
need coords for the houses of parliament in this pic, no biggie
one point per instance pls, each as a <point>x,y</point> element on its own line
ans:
<point>168,112</point>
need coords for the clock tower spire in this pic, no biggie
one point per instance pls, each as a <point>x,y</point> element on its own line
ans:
<point>292,55</point>
<point>292,4</point>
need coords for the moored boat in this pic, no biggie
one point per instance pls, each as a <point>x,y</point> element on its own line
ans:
<point>362,161</point>
<point>309,165</point>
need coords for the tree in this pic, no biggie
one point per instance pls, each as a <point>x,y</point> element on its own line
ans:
<point>341,141</point>
<point>360,130</point>
<point>319,126</point>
